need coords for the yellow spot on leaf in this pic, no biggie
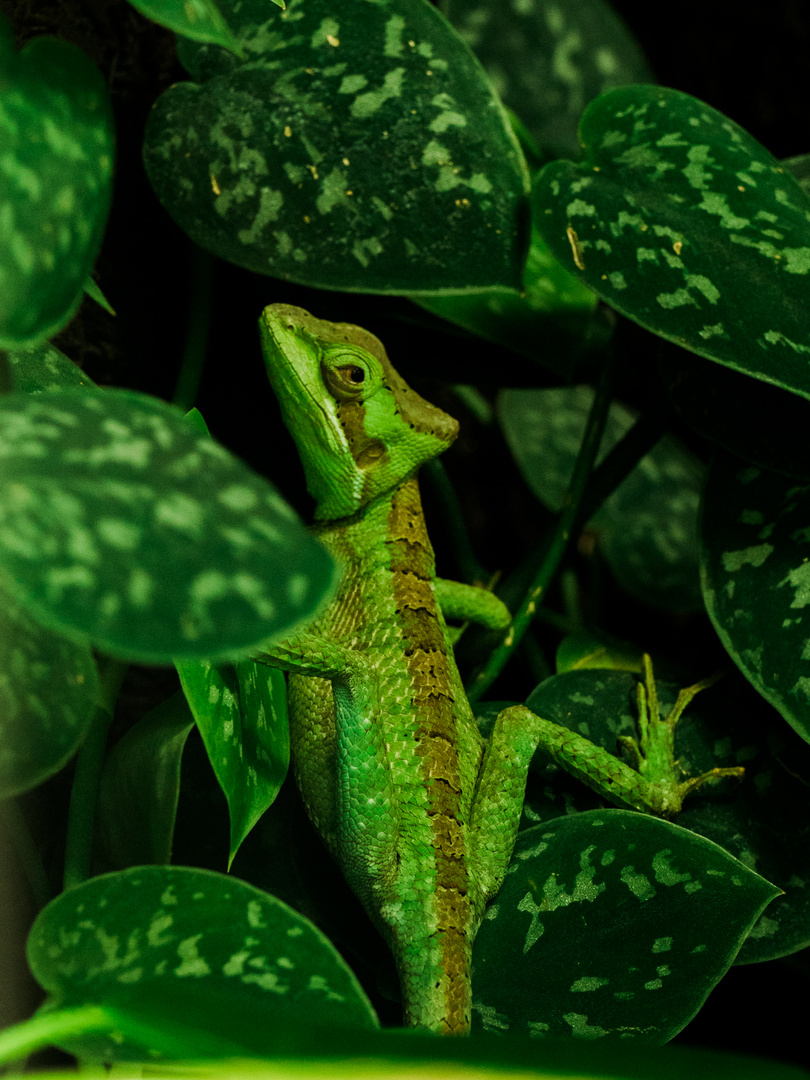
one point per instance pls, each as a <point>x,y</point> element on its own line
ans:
<point>676,247</point>
<point>576,250</point>
<point>333,40</point>
<point>214,185</point>
<point>288,131</point>
<point>345,161</point>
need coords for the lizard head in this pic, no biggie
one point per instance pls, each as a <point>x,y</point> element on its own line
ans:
<point>359,428</point>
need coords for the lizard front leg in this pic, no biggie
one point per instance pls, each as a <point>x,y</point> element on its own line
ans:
<point>341,761</point>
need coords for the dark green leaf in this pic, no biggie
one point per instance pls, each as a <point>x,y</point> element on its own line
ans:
<point>547,60</point>
<point>755,562</point>
<point>616,926</point>
<point>361,148</point>
<point>48,693</point>
<point>679,219</point>
<point>140,787</point>
<point>194,936</point>
<point>648,526</point>
<point>54,185</point>
<point>242,716</point>
<point>122,524</point>
<point>760,820</point>
<point>44,367</point>
<point>551,320</point>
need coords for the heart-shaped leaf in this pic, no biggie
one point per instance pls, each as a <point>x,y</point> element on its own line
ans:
<point>200,20</point>
<point>755,563</point>
<point>360,148</point>
<point>679,219</point>
<point>547,60</point>
<point>120,523</point>
<point>616,926</point>
<point>198,938</point>
<point>55,183</point>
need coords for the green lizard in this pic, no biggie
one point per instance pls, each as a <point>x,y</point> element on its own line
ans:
<point>418,811</point>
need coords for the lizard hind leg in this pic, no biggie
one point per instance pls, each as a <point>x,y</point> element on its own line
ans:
<point>498,799</point>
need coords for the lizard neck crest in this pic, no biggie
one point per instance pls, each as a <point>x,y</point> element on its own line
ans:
<point>359,428</point>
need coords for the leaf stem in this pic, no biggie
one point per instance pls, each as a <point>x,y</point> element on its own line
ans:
<point>89,763</point>
<point>49,1028</point>
<point>558,541</point>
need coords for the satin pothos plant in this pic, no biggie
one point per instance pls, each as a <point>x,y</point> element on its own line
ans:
<point>521,249</point>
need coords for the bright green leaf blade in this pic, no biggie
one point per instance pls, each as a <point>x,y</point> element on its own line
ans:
<point>44,367</point>
<point>241,713</point>
<point>547,60</point>
<point>122,524</point>
<point>648,526</point>
<point>680,220</point>
<point>48,693</point>
<point>611,925</point>
<point>200,20</point>
<point>755,568</point>
<point>93,290</point>
<point>140,786</point>
<point>54,185</point>
<point>760,820</point>
<point>181,930</point>
<point>360,149</point>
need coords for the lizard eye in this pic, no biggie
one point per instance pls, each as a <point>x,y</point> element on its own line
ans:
<point>344,380</point>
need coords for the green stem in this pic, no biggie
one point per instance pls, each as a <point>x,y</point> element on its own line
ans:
<point>19,835</point>
<point>199,318</point>
<point>558,541</point>
<point>50,1028</point>
<point>84,793</point>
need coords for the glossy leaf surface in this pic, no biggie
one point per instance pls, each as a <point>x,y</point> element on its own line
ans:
<point>48,693</point>
<point>54,185</point>
<point>242,716</point>
<point>123,525</point>
<point>681,220</point>
<point>43,367</point>
<point>616,925</point>
<point>199,939</point>
<point>755,556</point>
<point>140,787</point>
<point>760,819</point>
<point>360,148</point>
<point>547,60</point>
<point>648,526</point>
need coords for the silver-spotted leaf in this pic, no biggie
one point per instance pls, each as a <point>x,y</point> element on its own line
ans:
<point>647,528</point>
<point>121,524</point>
<point>43,367</point>
<point>241,713</point>
<point>610,926</point>
<point>140,787</point>
<point>547,60</point>
<point>760,819</point>
<point>55,183</point>
<point>681,220</point>
<point>196,938</point>
<point>755,566</point>
<point>359,148</point>
<point>48,694</point>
